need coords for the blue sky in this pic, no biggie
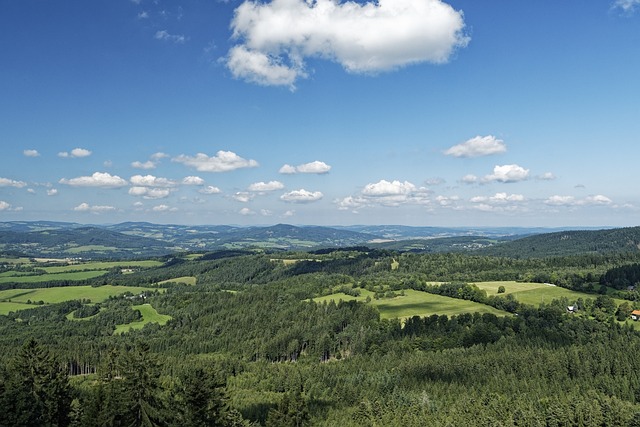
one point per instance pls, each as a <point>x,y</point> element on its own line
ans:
<point>416,112</point>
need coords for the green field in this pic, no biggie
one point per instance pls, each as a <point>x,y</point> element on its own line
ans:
<point>91,248</point>
<point>149,315</point>
<point>79,275</point>
<point>102,266</point>
<point>19,297</point>
<point>535,293</point>
<point>415,303</point>
<point>187,280</point>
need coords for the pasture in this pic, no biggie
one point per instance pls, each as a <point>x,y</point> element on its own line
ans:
<point>415,303</point>
<point>534,293</point>
<point>71,276</point>
<point>16,299</point>
<point>187,280</point>
<point>149,315</point>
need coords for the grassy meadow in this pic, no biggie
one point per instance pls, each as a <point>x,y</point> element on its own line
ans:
<point>415,303</point>
<point>149,315</point>
<point>16,299</point>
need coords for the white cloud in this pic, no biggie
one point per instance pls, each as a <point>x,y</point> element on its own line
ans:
<point>289,214</point>
<point>265,212</point>
<point>301,196</point>
<point>150,193</point>
<point>626,5</point>
<point>31,191</point>
<point>4,206</point>
<point>435,181</point>
<point>151,181</point>
<point>223,161</point>
<point>210,189</point>
<point>498,198</point>
<point>159,155</point>
<point>192,180</point>
<point>143,15</point>
<point>31,153</point>
<point>316,167</point>
<point>276,37</point>
<point>547,176</point>
<point>85,207</point>
<point>507,173</point>
<point>288,170</point>
<point>243,196</point>
<point>246,212</point>
<point>6,182</point>
<point>469,179</point>
<point>146,165</point>
<point>266,186</point>
<point>596,200</point>
<point>75,153</point>
<point>385,188</point>
<point>98,179</point>
<point>174,38</point>
<point>163,208</point>
<point>477,147</point>
<point>351,203</point>
<point>447,201</point>
<point>52,192</point>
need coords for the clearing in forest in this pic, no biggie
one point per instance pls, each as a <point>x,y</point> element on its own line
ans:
<point>149,315</point>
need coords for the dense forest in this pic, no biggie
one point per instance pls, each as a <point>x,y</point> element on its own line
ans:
<point>253,342</point>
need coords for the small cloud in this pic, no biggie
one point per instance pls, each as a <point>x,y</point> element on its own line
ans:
<point>288,170</point>
<point>4,206</point>
<point>107,163</point>
<point>385,188</point>
<point>31,191</point>
<point>210,189</point>
<point>150,193</point>
<point>289,214</point>
<point>6,182</point>
<point>243,196</point>
<point>507,174</point>
<point>351,203</point>
<point>192,180</point>
<point>151,181</point>
<point>146,165</point>
<point>52,192</point>
<point>98,179</point>
<point>246,212</point>
<point>174,38</point>
<point>596,200</point>
<point>435,181</point>
<point>315,167</point>
<point>301,196</point>
<point>223,161</point>
<point>143,15</point>
<point>265,212</point>
<point>85,207</point>
<point>469,179</point>
<point>75,153</point>
<point>266,186</point>
<point>159,155</point>
<point>31,153</point>
<point>498,198</point>
<point>627,6</point>
<point>477,147</point>
<point>447,201</point>
<point>580,186</point>
<point>547,176</point>
<point>163,208</point>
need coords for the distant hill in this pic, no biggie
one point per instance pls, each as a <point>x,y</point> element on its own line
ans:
<point>569,243</point>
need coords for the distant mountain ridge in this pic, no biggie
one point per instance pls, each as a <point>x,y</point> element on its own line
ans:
<point>139,239</point>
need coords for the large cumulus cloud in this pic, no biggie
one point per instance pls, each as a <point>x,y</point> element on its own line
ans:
<point>276,38</point>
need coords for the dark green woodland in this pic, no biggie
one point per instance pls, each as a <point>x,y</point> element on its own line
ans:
<point>254,343</point>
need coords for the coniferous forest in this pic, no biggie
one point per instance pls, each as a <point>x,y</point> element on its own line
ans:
<point>259,340</point>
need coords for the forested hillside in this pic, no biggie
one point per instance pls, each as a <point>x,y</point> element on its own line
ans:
<point>317,338</point>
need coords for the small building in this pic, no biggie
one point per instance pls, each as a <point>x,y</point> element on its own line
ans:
<point>572,309</point>
<point>635,315</point>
